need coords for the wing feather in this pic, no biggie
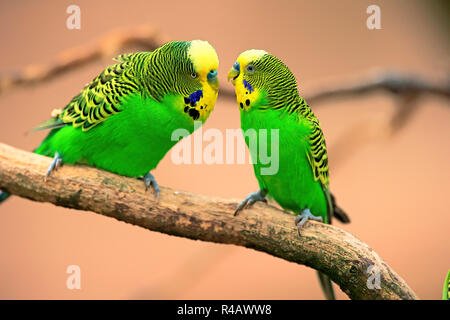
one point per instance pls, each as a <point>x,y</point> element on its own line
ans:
<point>100,99</point>
<point>318,159</point>
<point>317,153</point>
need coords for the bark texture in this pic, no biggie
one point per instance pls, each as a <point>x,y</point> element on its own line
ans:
<point>345,259</point>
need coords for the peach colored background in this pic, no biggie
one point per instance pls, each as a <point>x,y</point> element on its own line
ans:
<point>396,190</point>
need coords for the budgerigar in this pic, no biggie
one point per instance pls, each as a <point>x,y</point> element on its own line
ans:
<point>268,98</point>
<point>123,120</point>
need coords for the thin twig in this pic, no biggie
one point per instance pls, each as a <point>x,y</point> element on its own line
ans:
<point>385,80</point>
<point>142,37</point>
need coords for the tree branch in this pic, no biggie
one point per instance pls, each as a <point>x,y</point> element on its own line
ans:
<point>333,251</point>
<point>389,81</point>
<point>396,83</point>
<point>143,37</point>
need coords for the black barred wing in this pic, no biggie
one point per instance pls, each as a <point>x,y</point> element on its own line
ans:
<point>317,153</point>
<point>101,98</point>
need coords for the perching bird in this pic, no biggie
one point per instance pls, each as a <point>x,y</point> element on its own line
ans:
<point>268,98</point>
<point>123,120</point>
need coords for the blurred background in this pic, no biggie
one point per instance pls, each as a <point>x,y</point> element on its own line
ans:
<point>394,186</point>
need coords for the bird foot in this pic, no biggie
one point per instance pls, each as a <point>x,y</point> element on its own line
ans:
<point>56,163</point>
<point>250,200</point>
<point>150,180</point>
<point>301,219</point>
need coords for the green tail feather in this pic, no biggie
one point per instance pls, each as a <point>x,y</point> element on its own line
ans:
<point>49,124</point>
<point>4,196</point>
<point>338,213</point>
<point>326,285</point>
<point>333,211</point>
<point>446,289</point>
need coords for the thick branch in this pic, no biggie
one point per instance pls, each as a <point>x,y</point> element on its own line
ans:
<point>335,252</point>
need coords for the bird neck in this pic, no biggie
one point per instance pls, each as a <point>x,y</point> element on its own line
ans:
<point>290,102</point>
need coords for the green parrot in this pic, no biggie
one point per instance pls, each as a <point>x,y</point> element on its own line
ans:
<point>268,99</point>
<point>123,120</point>
<point>446,288</point>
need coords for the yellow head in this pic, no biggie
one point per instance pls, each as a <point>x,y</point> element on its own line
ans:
<point>205,62</point>
<point>263,81</point>
<point>244,65</point>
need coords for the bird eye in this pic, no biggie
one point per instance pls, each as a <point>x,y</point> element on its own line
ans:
<point>193,75</point>
<point>250,68</point>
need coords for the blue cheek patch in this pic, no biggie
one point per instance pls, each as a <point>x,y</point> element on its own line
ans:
<point>248,86</point>
<point>196,96</point>
<point>212,75</point>
<point>191,103</point>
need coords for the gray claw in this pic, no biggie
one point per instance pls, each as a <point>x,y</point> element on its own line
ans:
<point>56,163</point>
<point>150,180</point>
<point>250,200</point>
<point>301,219</point>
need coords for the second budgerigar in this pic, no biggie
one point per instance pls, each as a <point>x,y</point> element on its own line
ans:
<point>268,99</point>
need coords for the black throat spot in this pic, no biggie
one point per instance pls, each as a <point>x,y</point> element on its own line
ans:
<point>190,109</point>
<point>194,114</point>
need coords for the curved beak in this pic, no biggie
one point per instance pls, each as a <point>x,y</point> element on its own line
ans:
<point>232,75</point>
<point>234,72</point>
